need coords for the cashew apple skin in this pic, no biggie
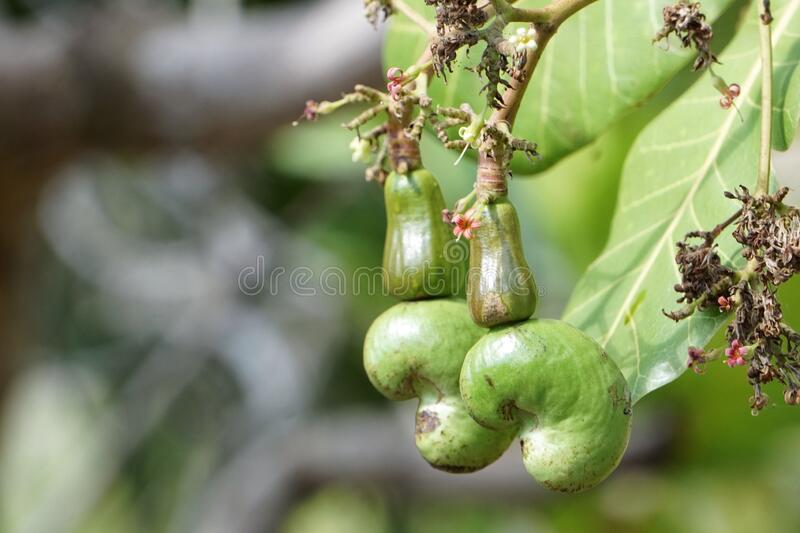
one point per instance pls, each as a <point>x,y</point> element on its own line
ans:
<point>415,350</point>
<point>414,257</point>
<point>500,286</point>
<point>556,387</point>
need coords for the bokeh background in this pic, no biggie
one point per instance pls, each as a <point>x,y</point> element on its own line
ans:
<point>154,380</point>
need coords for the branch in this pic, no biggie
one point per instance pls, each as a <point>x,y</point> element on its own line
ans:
<point>402,7</point>
<point>765,153</point>
<point>546,20</point>
<point>555,13</point>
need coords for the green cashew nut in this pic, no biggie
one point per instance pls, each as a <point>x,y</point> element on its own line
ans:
<point>555,386</point>
<point>414,252</point>
<point>500,288</point>
<point>415,349</point>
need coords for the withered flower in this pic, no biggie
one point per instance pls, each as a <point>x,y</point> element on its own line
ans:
<point>375,9</point>
<point>457,15</point>
<point>688,23</point>
<point>702,273</point>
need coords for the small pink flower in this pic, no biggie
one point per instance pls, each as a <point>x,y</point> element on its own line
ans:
<point>395,85</point>
<point>696,359</point>
<point>735,354</point>
<point>729,94</point>
<point>394,74</point>
<point>311,110</point>
<point>447,216</point>
<point>464,225</point>
<point>724,304</point>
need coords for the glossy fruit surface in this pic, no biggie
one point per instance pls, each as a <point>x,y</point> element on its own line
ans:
<point>561,393</point>
<point>415,350</point>
<point>500,286</point>
<point>415,256</point>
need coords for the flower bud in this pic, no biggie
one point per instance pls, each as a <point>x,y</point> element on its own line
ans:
<point>362,150</point>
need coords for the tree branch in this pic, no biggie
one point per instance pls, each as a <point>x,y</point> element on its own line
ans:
<point>546,20</point>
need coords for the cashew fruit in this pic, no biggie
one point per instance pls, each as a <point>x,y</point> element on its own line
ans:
<point>500,286</point>
<point>414,258</point>
<point>557,388</point>
<point>415,350</point>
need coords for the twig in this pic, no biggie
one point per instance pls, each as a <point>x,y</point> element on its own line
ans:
<point>416,18</point>
<point>717,230</point>
<point>765,153</point>
<point>546,20</point>
<point>555,13</point>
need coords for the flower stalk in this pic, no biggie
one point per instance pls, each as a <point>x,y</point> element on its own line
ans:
<point>765,152</point>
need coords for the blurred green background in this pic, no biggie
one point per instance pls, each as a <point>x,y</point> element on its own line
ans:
<point>148,164</point>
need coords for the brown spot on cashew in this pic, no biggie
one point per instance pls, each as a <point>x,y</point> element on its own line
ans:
<point>426,422</point>
<point>506,409</point>
<point>493,307</point>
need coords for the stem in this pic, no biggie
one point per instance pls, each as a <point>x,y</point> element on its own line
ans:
<point>492,173</point>
<point>423,80</point>
<point>765,153</point>
<point>512,97</point>
<point>717,230</point>
<point>463,203</point>
<point>416,18</point>
<point>546,21</point>
<point>554,13</point>
<point>403,151</point>
<point>423,65</point>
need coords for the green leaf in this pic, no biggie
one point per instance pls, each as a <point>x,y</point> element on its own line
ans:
<point>599,66</point>
<point>672,183</point>
<point>787,98</point>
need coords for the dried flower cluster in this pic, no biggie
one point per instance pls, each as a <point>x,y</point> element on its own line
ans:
<point>457,25</point>
<point>688,23</point>
<point>458,15</point>
<point>493,65</point>
<point>769,232</point>
<point>444,48</point>
<point>462,23</point>
<point>704,279</point>
<point>375,9</point>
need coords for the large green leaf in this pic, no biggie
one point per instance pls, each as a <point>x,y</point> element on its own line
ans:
<point>600,65</point>
<point>672,183</point>
<point>788,92</point>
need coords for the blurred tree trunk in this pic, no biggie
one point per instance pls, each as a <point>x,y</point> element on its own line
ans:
<point>20,189</point>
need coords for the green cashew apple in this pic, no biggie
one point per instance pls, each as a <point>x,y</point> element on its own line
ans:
<point>415,349</point>
<point>557,388</point>
<point>414,251</point>
<point>500,287</point>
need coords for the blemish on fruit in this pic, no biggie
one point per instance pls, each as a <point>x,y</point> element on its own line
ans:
<point>426,422</point>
